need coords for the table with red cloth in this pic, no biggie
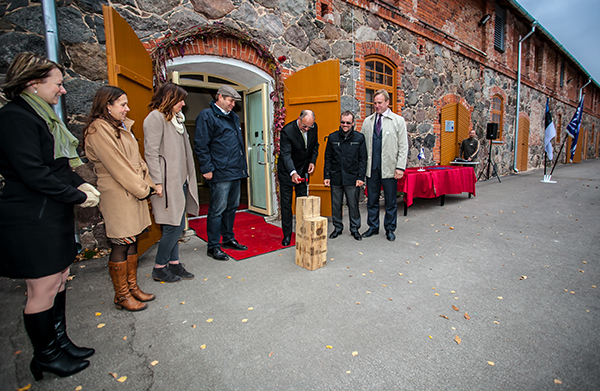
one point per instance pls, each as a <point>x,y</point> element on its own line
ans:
<point>436,181</point>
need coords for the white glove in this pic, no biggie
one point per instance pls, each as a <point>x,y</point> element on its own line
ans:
<point>92,194</point>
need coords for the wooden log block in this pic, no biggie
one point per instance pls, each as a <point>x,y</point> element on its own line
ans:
<point>311,243</point>
<point>307,207</point>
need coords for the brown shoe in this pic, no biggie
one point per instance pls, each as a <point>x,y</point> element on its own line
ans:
<point>132,265</point>
<point>123,298</point>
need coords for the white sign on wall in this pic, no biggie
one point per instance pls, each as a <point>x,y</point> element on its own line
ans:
<point>449,126</point>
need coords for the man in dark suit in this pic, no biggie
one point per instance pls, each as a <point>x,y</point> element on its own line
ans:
<point>299,147</point>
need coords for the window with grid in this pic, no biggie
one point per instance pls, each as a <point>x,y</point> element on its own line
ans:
<point>380,74</point>
<point>497,113</point>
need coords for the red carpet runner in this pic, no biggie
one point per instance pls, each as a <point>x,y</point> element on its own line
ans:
<point>250,230</point>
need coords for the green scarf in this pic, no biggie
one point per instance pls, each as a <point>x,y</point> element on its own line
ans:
<point>65,144</point>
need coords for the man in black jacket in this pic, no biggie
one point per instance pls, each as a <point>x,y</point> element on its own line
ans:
<point>299,148</point>
<point>345,168</point>
<point>220,150</point>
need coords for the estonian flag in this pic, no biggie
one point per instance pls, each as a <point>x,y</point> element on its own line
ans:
<point>550,133</point>
<point>573,127</point>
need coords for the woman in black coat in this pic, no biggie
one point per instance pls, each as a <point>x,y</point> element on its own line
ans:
<point>36,155</point>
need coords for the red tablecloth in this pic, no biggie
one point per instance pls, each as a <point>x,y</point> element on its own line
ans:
<point>436,181</point>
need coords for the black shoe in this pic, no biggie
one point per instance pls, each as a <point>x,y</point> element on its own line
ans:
<point>356,236</point>
<point>234,245</point>
<point>389,235</point>
<point>164,274</point>
<point>179,270</point>
<point>60,325</point>
<point>47,354</point>
<point>217,253</point>
<point>286,241</point>
<point>335,234</point>
<point>370,232</point>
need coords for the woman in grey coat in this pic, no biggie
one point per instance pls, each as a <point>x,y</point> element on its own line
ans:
<point>171,166</point>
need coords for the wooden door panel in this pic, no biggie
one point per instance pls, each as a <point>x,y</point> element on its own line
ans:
<point>462,131</point>
<point>316,88</point>
<point>448,139</point>
<point>523,142</point>
<point>130,68</point>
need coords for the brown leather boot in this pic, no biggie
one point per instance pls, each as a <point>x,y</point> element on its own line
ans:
<point>123,298</point>
<point>132,265</point>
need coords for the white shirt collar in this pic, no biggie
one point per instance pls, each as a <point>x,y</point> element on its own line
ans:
<point>223,111</point>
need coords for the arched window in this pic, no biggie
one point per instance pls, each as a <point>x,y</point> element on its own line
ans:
<point>380,73</point>
<point>498,113</point>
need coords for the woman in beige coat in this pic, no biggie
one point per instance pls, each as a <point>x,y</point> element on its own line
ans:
<point>171,165</point>
<point>125,187</point>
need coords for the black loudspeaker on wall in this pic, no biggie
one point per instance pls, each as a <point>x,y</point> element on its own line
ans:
<point>492,131</point>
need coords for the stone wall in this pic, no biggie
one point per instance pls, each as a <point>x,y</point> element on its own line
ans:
<point>428,72</point>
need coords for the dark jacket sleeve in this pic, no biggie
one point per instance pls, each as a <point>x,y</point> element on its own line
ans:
<point>328,157</point>
<point>202,140</point>
<point>315,151</point>
<point>285,151</point>
<point>21,141</point>
<point>362,158</point>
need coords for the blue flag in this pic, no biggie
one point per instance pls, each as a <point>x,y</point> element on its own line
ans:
<point>421,154</point>
<point>550,132</point>
<point>573,127</point>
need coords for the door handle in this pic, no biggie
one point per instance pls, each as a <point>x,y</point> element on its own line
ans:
<point>258,152</point>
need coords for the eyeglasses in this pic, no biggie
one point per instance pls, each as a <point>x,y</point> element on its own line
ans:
<point>302,126</point>
<point>345,123</point>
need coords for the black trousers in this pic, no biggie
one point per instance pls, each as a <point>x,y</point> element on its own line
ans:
<point>286,192</point>
<point>337,196</point>
<point>390,189</point>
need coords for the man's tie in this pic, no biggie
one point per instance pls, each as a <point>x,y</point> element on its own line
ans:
<point>304,136</point>
<point>378,125</point>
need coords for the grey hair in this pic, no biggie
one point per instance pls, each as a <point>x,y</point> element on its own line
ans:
<point>305,113</point>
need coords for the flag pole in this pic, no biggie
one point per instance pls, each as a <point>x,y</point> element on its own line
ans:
<point>547,177</point>
<point>559,152</point>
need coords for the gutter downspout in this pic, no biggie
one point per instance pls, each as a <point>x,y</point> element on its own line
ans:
<point>581,89</point>
<point>52,43</point>
<point>519,97</point>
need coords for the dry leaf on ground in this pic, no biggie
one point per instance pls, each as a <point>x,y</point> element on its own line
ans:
<point>457,340</point>
<point>455,308</point>
<point>209,320</point>
<point>122,379</point>
<point>113,374</point>
<point>101,325</point>
<point>28,386</point>
<point>467,317</point>
<point>354,354</point>
<point>444,316</point>
<point>491,363</point>
<point>329,347</point>
<point>153,363</point>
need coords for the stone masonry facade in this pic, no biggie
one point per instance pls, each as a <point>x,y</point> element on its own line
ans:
<point>441,53</point>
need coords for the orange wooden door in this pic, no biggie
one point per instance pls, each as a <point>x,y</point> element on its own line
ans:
<point>130,68</point>
<point>523,144</point>
<point>316,88</point>
<point>448,130</point>
<point>577,155</point>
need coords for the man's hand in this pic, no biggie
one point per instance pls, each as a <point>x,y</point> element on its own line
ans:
<point>207,176</point>
<point>327,182</point>
<point>469,159</point>
<point>311,168</point>
<point>295,178</point>
<point>398,174</point>
<point>359,183</point>
<point>159,190</point>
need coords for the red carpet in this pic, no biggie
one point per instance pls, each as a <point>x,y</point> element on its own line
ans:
<point>250,230</point>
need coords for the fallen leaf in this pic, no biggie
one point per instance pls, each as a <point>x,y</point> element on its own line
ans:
<point>443,316</point>
<point>370,271</point>
<point>17,352</point>
<point>28,386</point>
<point>354,354</point>
<point>430,337</point>
<point>400,274</point>
<point>457,340</point>
<point>329,347</point>
<point>523,278</point>
<point>467,317</point>
<point>70,278</point>
<point>500,298</point>
<point>360,253</point>
<point>348,371</point>
<point>244,320</point>
<point>101,325</point>
<point>496,322</point>
<point>452,292</point>
<point>125,338</point>
<point>153,363</point>
<point>203,346</point>
<point>384,285</point>
<point>581,271</point>
<point>410,282</point>
<point>78,388</point>
<point>122,379</point>
<point>229,277</point>
<point>436,294</point>
<point>455,308</point>
<point>250,308</point>
<point>451,227</point>
<point>556,381</point>
<point>491,363</point>
<point>113,374</point>
<point>270,354</point>
<point>416,244</point>
<point>390,299</point>
<point>98,313</point>
<point>358,302</point>
<point>368,293</point>
<point>193,326</point>
<point>209,320</point>
<point>182,303</point>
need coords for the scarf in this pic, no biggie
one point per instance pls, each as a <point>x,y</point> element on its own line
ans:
<point>65,144</point>
<point>178,120</point>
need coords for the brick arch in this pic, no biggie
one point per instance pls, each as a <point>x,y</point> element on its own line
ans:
<point>437,126</point>
<point>222,47</point>
<point>368,48</point>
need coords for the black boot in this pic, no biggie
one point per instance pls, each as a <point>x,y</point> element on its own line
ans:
<point>60,325</point>
<point>47,354</point>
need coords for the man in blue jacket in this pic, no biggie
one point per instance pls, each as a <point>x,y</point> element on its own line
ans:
<point>220,150</point>
<point>345,169</point>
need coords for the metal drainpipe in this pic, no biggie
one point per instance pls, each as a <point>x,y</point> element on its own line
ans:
<point>519,96</point>
<point>52,46</point>
<point>581,89</point>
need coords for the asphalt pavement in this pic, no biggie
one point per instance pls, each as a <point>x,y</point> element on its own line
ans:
<point>496,292</point>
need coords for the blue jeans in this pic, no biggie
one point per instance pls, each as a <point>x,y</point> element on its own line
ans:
<point>224,201</point>
<point>168,247</point>
<point>390,189</point>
